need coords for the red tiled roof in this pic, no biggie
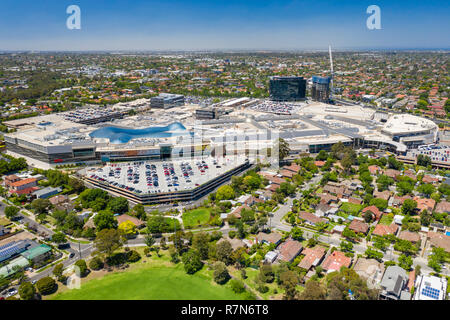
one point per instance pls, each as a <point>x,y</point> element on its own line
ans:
<point>382,230</point>
<point>312,257</point>
<point>23,182</point>
<point>409,236</point>
<point>310,217</point>
<point>358,226</point>
<point>374,210</point>
<point>289,250</point>
<point>335,261</point>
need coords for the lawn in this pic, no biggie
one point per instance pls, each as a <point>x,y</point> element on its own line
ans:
<point>351,208</point>
<point>196,217</point>
<point>386,219</point>
<point>155,279</point>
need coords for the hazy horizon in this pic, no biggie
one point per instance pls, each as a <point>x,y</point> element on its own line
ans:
<point>199,25</point>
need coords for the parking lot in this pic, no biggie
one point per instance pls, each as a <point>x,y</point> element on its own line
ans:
<point>436,153</point>
<point>144,177</point>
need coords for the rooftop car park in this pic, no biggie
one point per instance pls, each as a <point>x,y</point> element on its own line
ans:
<point>165,181</point>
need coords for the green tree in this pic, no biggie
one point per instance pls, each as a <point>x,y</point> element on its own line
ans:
<point>224,251</point>
<point>409,206</point>
<point>405,262</point>
<point>46,286</point>
<point>200,242</point>
<point>11,212</point>
<point>58,270</point>
<point>108,241</point>
<point>373,254</point>
<point>192,261</point>
<point>105,220</point>
<point>83,267</point>
<point>96,263</point>
<point>41,206</point>
<point>26,291</point>
<point>118,205</point>
<point>59,237</point>
<point>297,233</point>
<point>427,189</point>
<point>225,192</point>
<point>220,274</point>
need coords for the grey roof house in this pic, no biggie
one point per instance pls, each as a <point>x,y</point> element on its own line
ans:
<point>394,284</point>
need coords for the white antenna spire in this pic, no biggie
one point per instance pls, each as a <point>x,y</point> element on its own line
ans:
<point>332,72</point>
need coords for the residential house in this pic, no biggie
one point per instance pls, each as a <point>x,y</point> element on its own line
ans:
<point>374,170</point>
<point>355,200</point>
<point>413,237</point>
<point>376,213</point>
<point>312,257</point>
<point>237,211</point>
<point>439,240</point>
<point>311,218</point>
<point>271,256</point>
<point>425,204</point>
<point>430,288</point>
<point>335,261</point>
<point>338,229</point>
<point>358,226</point>
<point>268,238</point>
<point>293,167</point>
<point>235,242</point>
<point>289,250</point>
<point>8,180</point>
<point>47,192</point>
<point>385,195</point>
<point>287,174</point>
<point>443,207</point>
<point>392,173</point>
<point>319,163</point>
<point>429,179</point>
<point>394,284</point>
<point>124,217</point>
<point>397,201</point>
<point>410,174</point>
<point>383,230</point>
<point>327,198</point>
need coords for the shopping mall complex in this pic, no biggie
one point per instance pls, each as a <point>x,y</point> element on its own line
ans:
<point>250,129</point>
<point>164,155</point>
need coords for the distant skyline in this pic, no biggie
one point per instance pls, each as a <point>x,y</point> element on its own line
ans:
<point>139,25</point>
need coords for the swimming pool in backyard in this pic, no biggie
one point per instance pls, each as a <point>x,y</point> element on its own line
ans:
<point>118,135</point>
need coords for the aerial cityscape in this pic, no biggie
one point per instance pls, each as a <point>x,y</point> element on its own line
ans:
<point>215,174</point>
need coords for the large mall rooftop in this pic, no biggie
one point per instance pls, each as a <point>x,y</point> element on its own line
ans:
<point>255,126</point>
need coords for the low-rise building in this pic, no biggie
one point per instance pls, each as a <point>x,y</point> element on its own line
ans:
<point>409,236</point>
<point>335,261</point>
<point>312,257</point>
<point>268,238</point>
<point>289,250</point>
<point>394,284</point>
<point>430,288</point>
<point>358,226</point>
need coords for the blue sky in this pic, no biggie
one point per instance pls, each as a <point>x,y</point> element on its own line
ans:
<point>230,24</point>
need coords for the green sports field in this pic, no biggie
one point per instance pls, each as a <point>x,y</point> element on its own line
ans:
<point>152,283</point>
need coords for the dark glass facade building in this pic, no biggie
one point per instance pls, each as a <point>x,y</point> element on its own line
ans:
<point>287,88</point>
<point>320,89</point>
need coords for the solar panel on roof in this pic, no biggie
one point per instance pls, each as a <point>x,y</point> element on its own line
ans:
<point>431,292</point>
